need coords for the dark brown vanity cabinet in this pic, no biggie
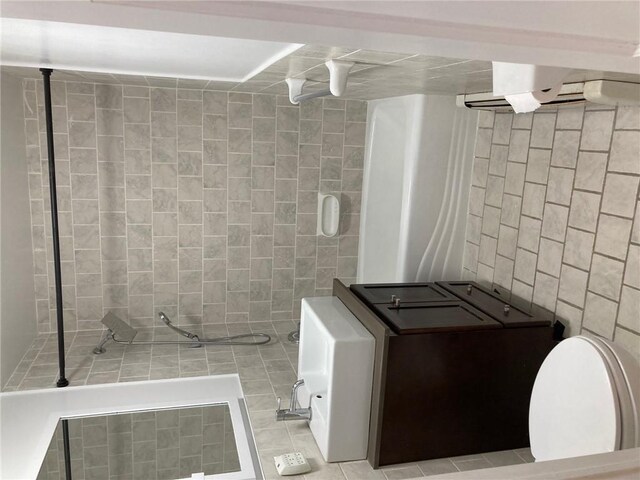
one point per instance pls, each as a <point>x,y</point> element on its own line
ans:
<point>454,368</point>
<point>384,293</point>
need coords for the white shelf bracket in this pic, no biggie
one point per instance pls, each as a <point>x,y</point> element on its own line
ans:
<point>338,74</point>
<point>295,88</point>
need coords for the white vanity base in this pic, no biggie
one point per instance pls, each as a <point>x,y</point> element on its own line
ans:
<point>336,364</point>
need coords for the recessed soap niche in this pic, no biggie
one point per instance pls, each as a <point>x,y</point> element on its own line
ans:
<point>328,215</point>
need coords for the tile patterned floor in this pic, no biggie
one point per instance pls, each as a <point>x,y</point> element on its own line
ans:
<point>266,372</point>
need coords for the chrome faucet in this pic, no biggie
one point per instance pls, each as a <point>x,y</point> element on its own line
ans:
<point>293,413</point>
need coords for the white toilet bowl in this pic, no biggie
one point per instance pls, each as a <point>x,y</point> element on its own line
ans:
<point>585,400</point>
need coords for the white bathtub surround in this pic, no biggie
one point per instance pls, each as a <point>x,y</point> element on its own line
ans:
<point>336,364</point>
<point>29,419</point>
<point>419,152</point>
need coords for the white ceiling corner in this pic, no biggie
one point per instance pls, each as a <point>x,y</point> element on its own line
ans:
<point>72,46</point>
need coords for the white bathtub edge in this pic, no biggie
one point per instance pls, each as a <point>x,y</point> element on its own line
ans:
<point>28,419</point>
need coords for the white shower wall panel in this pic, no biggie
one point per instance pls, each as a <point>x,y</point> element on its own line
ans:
<point>419,152</point>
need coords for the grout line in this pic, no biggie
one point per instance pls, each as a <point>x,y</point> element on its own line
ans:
<point>72,238</point>
<point>548,168</point>
<point>593,253</point>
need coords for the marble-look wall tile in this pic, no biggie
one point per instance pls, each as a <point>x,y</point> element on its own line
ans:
<point>568,240</point>
<point>198,203</point>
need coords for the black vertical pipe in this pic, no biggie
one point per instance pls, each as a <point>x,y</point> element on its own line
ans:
<point>67,449</point>
<point>46,77</point>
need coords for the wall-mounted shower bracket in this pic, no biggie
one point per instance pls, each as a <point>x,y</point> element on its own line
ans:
<point>295,88</point>
<point>338,74</point>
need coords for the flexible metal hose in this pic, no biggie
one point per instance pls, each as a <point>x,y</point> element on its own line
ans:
<point>197,342</point>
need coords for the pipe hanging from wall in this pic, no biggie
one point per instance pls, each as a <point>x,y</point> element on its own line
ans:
<point>46,77</point>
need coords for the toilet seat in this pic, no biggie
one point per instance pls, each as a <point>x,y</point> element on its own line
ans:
<point>584,401</point>
<point>626,374</point>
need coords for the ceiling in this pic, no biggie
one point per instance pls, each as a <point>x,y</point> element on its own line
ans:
<point>198,44</point>
<point>611,19</point>
<point>374,75</point>
<point>600,35</point>
<point>74,46</point>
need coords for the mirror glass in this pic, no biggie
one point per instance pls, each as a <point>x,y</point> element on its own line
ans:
<point>157,444</point>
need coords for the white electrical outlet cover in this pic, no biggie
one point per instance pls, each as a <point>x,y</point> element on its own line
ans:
<point>291,464</point>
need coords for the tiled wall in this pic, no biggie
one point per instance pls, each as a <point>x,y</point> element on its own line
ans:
<point>161,445</point>
<point>554,217</point>
<point>198,203</point>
